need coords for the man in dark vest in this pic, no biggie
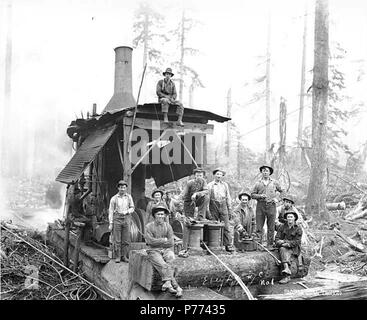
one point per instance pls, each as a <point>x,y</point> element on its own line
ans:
<point>288,240</point>
<point>167,94</point>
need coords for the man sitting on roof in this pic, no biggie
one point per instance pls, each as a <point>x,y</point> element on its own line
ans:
<point>159,238</point>
<point>167,94</point>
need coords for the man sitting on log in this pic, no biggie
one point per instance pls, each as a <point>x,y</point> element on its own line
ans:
<point>167,94</point>
<point>244,217</point>
<point>220,205</point>
<point>157,196</point>
<point>159,238</point>
<point>196,194</point>
<point>288,240</point>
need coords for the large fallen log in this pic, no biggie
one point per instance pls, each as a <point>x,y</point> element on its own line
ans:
<point>205,270</point>
<point>336,291</point>
<point>335,205</point>
<point>355,245</point>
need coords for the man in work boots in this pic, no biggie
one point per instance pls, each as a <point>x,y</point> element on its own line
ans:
<point>159,238</point>
<point>264,192</point>
<point>220,205</point>
<point>120,210</point>
<point>196,194</point>
<point>288,240</point>
<point>167,94</point>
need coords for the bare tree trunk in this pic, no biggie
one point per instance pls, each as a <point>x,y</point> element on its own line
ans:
<point>315,204</point>
<point>268,64</point>
<point>282,133</point>
<point>182,48</point>
<point>191,95</point>
<point>7,110</point>
<point>229,110</point>
<point>238,155</point>
<point>302,90</point>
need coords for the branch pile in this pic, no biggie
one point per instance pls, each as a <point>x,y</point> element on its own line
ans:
<point>27,274</point>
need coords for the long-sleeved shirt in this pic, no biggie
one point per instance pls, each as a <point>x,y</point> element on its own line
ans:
<point>269,190</point>
<point>120,204</point>
<point>156,232</point>
<point>244,216</point>
<point>166,89</point>
<point>197,186</point>
<point>291,235</point>
<point>219,191</point>
<point>282,210</point>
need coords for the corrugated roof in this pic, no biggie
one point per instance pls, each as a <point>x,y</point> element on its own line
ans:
<point>85,154</point>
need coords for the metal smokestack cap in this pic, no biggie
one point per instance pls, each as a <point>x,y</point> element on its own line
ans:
<point>123,94</point>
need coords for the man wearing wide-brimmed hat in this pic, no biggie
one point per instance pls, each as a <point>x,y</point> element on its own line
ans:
<point>157,196</point>
<point>244,216</point>
<point>196,194</point>
<point>167,94</point>
<point>159,238</point>
<point>220,205</point>
<point>120,210</point>
<point>265,192</point>
<point>288,240</point>
<point>288,205</point>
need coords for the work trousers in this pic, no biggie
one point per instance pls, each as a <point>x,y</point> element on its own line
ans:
<point>165,103</point>
<point>266,211</point>
<point>219,212</point>
<point>285,254</point>
<point>121,235</point>
<point>162,260</point>
<point>201,202</point>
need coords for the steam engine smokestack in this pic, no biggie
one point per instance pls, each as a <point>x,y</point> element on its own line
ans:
<point>123,93</point>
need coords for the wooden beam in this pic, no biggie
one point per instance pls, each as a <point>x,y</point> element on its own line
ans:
<point>188,128</point>
<point>126,159</point>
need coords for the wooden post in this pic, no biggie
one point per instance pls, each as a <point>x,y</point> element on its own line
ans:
<point>127,160</point>
<point>79,235</point>
<point>66,242</point>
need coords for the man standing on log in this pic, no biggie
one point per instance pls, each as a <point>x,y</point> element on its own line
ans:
<point>220,205</point>
<point>244,216</point>
<point>159,238</point>
<point>167,94</point>
<point>196,194</point>
<point>288,240</point>
<point>264,192</point>
<point>121,207</point>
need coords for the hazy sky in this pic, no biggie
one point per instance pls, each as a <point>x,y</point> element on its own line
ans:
<point>63,58</point>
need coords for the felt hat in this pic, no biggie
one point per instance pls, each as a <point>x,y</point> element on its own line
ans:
<point>291,212</point>
<point>157,190</point>
<point>121,183</point>
<point>244,194</point>
<point>168,70</point>
<point>289,198</point>
<point>198,170</point>
<point>265,166</point>
<point>216,170</point>
<point>159,207</point>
